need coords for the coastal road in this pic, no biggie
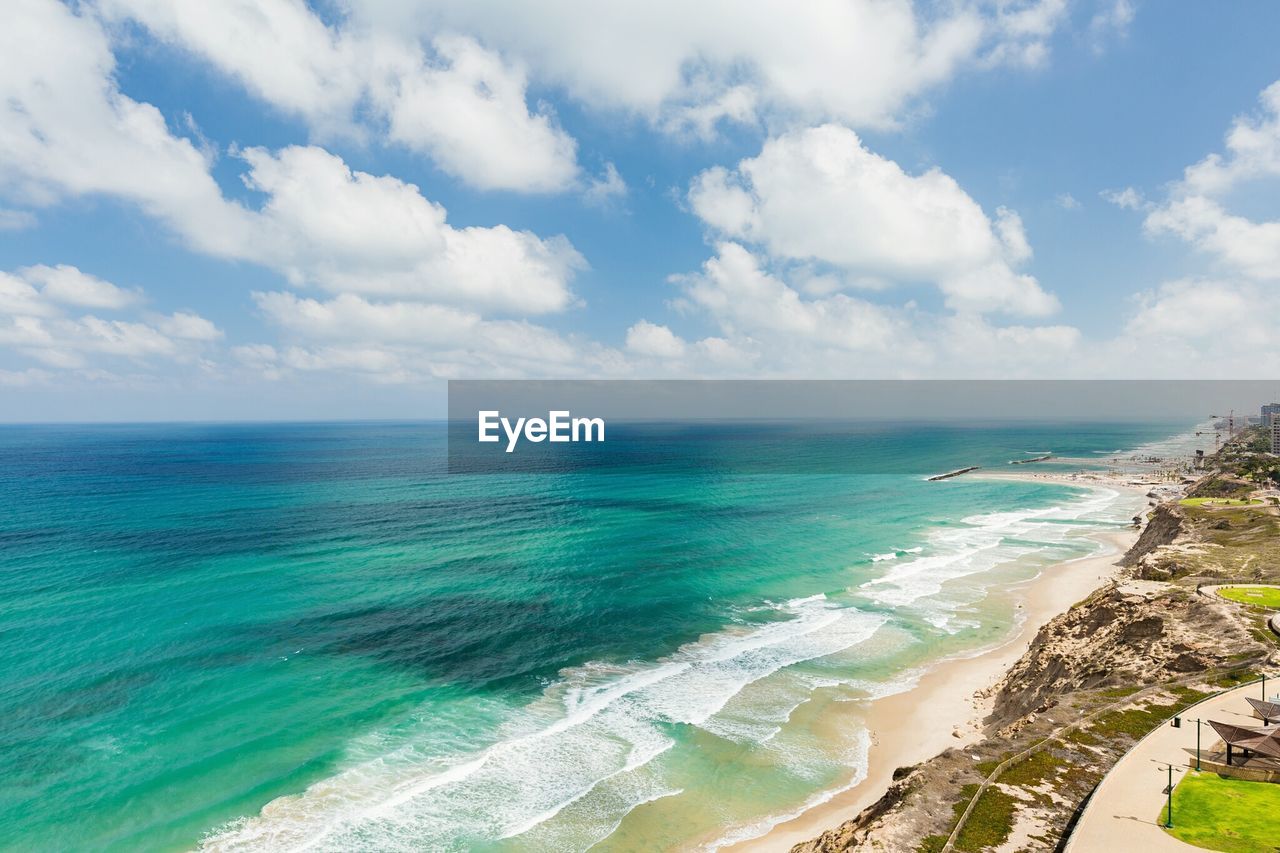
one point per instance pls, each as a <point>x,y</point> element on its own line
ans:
<point>1124,812</point>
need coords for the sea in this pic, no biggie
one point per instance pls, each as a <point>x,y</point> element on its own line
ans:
<point>314,636</point>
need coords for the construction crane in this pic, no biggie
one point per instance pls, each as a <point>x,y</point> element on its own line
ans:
<point>1231,423</point>
<point>1217,437</point>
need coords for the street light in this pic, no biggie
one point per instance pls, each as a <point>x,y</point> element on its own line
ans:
<point>1176,722</point>
<point>1168,818</point>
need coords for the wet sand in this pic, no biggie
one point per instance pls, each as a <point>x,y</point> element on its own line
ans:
<point>946,706</point>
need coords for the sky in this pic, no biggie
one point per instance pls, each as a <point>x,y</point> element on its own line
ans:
<point>225,209</point>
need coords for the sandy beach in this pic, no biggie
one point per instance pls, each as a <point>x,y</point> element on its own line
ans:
<point>946,706</point>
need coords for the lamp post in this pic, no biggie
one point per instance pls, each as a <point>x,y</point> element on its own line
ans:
<point>1197,745</point>
<point>1168,818</point>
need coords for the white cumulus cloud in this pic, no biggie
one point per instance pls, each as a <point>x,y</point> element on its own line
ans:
<point>445,96</point>
<point>647,338</point>
<point>1197,209</point>
<point>687,66</point>
<point>35,322</point>
<point>821,195</point>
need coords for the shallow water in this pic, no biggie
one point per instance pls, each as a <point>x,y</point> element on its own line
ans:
<point>277,636</point>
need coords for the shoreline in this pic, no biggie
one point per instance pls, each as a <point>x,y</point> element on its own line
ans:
<point>945,708</point>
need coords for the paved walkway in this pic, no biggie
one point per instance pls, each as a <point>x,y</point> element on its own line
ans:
<point>1124,812</point>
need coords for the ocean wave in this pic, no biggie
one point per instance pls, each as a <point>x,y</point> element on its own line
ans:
<point>592,734</point>
<point>895,554</point>
<point>983,543</point>
<point>856,758</point>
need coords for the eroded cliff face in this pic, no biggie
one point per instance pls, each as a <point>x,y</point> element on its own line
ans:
<point>1121,648</point>
<point>1139,632</point>
<point>1116,664</point>
<point>853,834</point>
<point>1163,527</point>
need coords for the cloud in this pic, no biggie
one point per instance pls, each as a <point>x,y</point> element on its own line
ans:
<point>746,301</point>
<point>322,223</point>
<point>67,131</point>
<point>400,341</point>
<point>470,116</point>
<point>688,67</point>
<point>820,195</point>
<point>766,326</point>
<point>446,97</point>
<point>16,220</point>
<point>607,189</point>
<point>1253,248</point>
<point>1253,151</point>
<point>1196,207</point>
<point>1110,22</point>
<point>24,378</point>
<point>386,254</point>
<point>1127,198</point>
<point>35,324</point>
<point>1024,29</point>
<point>647,338</point>
<point>1067,201</point>
<point>69,285</point>
<point>186,326</point>
<point>450,79</point>
<point>1202,327</point>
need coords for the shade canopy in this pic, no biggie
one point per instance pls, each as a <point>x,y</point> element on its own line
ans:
<point>1263,741</point>
<point>1268,711</point>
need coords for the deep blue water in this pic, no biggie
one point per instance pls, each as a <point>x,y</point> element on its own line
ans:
<point>200,619</point>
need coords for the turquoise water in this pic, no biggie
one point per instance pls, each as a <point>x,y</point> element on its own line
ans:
<point>275,636</point>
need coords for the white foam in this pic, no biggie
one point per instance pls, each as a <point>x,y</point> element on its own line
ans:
<point>856,759</point>
<point>984,542</point>
<point>593,726</point>
<point>895,554</point>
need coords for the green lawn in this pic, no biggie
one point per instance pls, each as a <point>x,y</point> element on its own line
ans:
<point>1219,501</point>
<point>1215,813</point>
<point>1262,596</point>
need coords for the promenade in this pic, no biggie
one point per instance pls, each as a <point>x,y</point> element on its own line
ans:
<point>1124,812</point>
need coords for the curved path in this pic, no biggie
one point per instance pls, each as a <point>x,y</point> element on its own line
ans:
<point>1124,812</point>
<point>1212,590</point>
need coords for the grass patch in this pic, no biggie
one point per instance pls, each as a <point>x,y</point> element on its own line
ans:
<point>1230,815</point>
<point>1221,487</point>
<point>1219,501</point>
<point>1264,635</point>
<point>1136,722</point>
<point>932,844</point>
<point>1261,596</point>
<point>1032,770</point>
<point>1083,737</point>
<point>1235,678</point>
<point>1186,695</point>
<point>989,823</point>
<point>1119,692</point>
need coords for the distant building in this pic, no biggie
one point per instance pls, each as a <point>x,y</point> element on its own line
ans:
<point>1269,410</point>
<point>1275,435</point>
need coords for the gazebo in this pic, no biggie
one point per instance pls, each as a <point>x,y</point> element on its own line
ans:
<point>1263,741</point>
<point>1268,711</point>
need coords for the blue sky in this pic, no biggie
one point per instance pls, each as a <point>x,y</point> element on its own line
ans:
<point>242,209</point>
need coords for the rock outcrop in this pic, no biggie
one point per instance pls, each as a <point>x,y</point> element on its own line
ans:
<point>1165,525</point>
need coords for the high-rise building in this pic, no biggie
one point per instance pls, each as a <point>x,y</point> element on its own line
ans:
<point>1275,435</point>
<point>1268,411</point>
